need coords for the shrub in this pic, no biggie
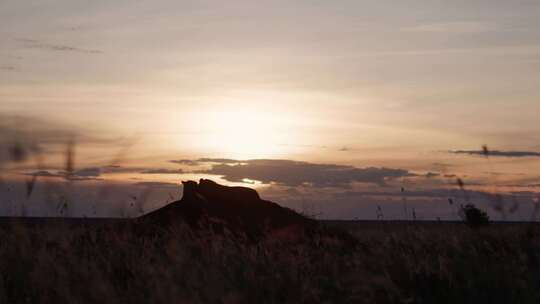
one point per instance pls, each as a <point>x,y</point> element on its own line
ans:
<point>473,216</point>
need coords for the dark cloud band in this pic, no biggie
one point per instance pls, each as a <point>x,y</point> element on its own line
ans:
<point>496,153</point>
<point>296,173</point>
<point>37,44</point>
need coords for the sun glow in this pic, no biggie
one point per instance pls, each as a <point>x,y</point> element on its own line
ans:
<point>242,133</point>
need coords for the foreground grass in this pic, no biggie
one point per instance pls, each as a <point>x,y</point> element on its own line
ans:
<point>390,263</point>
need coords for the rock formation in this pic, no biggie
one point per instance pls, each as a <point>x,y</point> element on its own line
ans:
<point>237,209</point>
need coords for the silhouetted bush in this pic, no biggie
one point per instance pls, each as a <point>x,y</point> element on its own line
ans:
<point>474,217</point>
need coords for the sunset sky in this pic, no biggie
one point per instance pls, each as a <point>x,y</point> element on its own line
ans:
<point>328,105</point>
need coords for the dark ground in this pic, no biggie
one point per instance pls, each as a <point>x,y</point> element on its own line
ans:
<point>64,261</point>
<point>210,254</point>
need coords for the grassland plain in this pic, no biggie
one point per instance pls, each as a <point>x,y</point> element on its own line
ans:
<point>386,262</point>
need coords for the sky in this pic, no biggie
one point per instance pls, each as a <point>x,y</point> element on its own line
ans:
<point>318,104</point>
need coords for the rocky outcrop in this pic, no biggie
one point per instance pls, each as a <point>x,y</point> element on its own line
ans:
<point>239,210</point>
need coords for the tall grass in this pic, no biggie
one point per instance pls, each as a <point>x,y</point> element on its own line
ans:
<point>391,263</point>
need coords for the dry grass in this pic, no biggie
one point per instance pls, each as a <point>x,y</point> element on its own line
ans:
<point>390,263</point>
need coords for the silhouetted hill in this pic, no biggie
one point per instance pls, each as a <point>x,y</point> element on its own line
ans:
<point>236,209</point>
<point>205,207</point>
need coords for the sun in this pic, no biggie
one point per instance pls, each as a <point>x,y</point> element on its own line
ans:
<point>242,133</point>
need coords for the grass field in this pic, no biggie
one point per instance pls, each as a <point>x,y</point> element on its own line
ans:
<point>385,262</point>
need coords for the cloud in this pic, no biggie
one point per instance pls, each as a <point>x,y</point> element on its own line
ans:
<point>162,171</point>
<point>495,153</point>
<point>115,169</point>
<point>220,160</point>
<point>432,193</point>
<point>186,162</point>
<point>96,172</point>
<point>456,194</point>
<point>120,169</point>
<point>7,68</point>
<point>432,174</point>
<point>38,44</point>
<point>441,167</point>
<point>81,175</point>
<point>84,178</point>
<point>44,173</point>
<point>295,173</point>
<point>200,161</point>
<point>520,185</point>
<point>158,185</point>
<point>88,172</point>
<point>457,27</point>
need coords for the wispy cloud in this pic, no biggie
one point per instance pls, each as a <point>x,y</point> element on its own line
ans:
<point>457,27</point>
<point>158,185</point>
<point>162,171</point>
<point>496,153</point>
<point>220,160</point>
<point>185,162</point>
<point>200,161</point>
<point>44,173</point>
<point>432,175</point>
<point>434,193</point>
<point>7,68</point>
<point>38,44</point>
<point>90,174</point>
